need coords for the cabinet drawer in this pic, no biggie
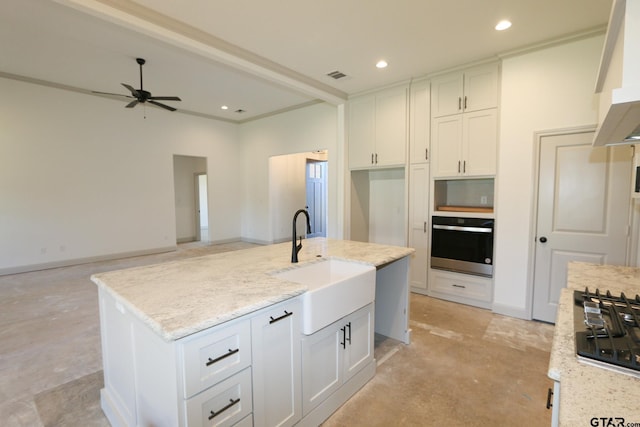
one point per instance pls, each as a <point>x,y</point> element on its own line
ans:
<point>215,355</point>
<point>461,285</point>
<point>224,404</point>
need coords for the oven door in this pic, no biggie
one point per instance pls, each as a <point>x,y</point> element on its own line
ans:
<point>462,244</point>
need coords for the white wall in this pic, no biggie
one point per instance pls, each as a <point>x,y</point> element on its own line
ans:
<point>306,129</point>
<point>83,177</point>
<point>541,90</point>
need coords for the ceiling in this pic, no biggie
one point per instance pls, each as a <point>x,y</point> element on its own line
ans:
<point>263,57</point>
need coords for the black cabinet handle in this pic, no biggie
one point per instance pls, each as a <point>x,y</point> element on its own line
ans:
<point>217,359</point>
<point>344,337</point>
<point>371,158</point>
<point>549,395</point>
<point>229,405</point>
<point>286,314</point>
<point>459,286</point>
<point>349,338</point>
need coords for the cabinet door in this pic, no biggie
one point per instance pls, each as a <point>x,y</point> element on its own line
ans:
<point>321,366</point>
<point>362,130</point>
<point>391,127</point>
<point>418,225</point>
<point>446,94</point>
<point>446,145</point>
<point>357,337</point>
<point>480,135</point>
<point>481,88</point>
<point>420,123</point>
<point>276,361</point>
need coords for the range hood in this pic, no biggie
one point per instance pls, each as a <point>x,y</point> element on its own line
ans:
<point>618,83</point>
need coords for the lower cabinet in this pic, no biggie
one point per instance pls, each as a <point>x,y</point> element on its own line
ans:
<point>333,355</point>
<point>244,372</point>
<point>275,344</point>
<point>462,288</point>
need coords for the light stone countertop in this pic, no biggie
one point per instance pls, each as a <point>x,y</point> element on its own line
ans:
<point>179,298</point>
<point>586,391</point>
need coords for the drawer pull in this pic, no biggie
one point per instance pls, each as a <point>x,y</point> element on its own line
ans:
<point>286,314</point>
<point>549,397</point>
<point>229,405</point>
<point>217,359</point>
<point>459,286</point>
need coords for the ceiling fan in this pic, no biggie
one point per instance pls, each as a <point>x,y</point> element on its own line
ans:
<point>142,96</point>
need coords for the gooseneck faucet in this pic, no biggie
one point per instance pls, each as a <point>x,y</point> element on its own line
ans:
<point>296,248</point>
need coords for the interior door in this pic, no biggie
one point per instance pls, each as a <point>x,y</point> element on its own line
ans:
<point>583,211</point>
<point>316,197</point>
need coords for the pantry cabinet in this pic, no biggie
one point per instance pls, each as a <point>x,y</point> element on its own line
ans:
<point>378,129</point>
<point>334,354</point>
<point>419,122</point>
<point>465,144</point>
<point>419,226</point>
<point>469,90</point>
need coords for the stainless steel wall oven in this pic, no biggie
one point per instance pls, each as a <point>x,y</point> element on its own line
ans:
<point>463,245</point>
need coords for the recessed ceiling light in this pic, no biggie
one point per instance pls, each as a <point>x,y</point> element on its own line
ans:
<point>382,64</point>
<point>224,107</point>
<point>503,25</point>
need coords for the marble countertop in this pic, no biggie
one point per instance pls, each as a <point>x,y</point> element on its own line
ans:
<point>588,391</point>
<point>176,299</point>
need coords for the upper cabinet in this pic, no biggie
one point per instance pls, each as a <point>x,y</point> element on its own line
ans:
<point>378,129</point>
<point>464,127</point>
<point>470,90</point>
<point>419,122</point>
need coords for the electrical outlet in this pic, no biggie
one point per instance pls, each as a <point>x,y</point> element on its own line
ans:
<point>483,200</point>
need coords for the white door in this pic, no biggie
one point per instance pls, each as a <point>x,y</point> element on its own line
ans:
<point>583,211</point>
<point>316,191</point>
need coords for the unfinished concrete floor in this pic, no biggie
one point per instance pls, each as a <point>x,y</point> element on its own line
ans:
<point>465,366</point>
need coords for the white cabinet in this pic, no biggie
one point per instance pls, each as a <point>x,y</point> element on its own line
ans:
<point>275,336</point>
<point>419,122</point>
<point>470,90</point>
<point>462,288</point>
<point>378,129</point>
<point>465,144</point>
<point>220,376</point>
<point>333,355</point>
<point>419,226</point>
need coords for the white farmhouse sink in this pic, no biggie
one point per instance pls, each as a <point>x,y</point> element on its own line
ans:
<point>335,288</point>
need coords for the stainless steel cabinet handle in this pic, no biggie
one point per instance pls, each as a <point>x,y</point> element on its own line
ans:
<point>462,228</point>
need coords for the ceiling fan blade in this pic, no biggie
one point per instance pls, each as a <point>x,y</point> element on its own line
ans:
<point>111,94</point>
<point>166,98</point>
<point>166,107</point>
<point>132,104</point>
<point>133,91</point>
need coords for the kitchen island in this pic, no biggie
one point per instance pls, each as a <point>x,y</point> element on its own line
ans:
<point>586,395</point>
<point>166,328</point>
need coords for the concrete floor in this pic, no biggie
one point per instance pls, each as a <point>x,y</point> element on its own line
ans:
<point>465,366</point>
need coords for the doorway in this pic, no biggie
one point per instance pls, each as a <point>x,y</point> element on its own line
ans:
<point>316,184</point>
<point>191,201</point>
<point>583,202</point>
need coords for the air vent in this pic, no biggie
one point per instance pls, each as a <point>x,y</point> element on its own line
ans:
<point>336,74</point>
<point>240,111</point>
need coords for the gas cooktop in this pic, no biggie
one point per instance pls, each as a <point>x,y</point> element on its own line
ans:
<point>607,330</point>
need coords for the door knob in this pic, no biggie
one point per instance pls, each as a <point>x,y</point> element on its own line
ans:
<point>543,239</point>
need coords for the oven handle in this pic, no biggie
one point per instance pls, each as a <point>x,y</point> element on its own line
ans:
<point>459,228</point>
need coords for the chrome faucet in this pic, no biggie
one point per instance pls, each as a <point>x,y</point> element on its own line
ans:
<point>296,248</point>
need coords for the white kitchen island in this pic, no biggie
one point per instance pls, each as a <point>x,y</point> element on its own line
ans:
<point>586,395</point>
<point>215,340</point>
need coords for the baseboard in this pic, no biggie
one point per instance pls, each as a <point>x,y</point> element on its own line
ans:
<point>420,291</point>
<point>87,260</point>
<point>510,311</point>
